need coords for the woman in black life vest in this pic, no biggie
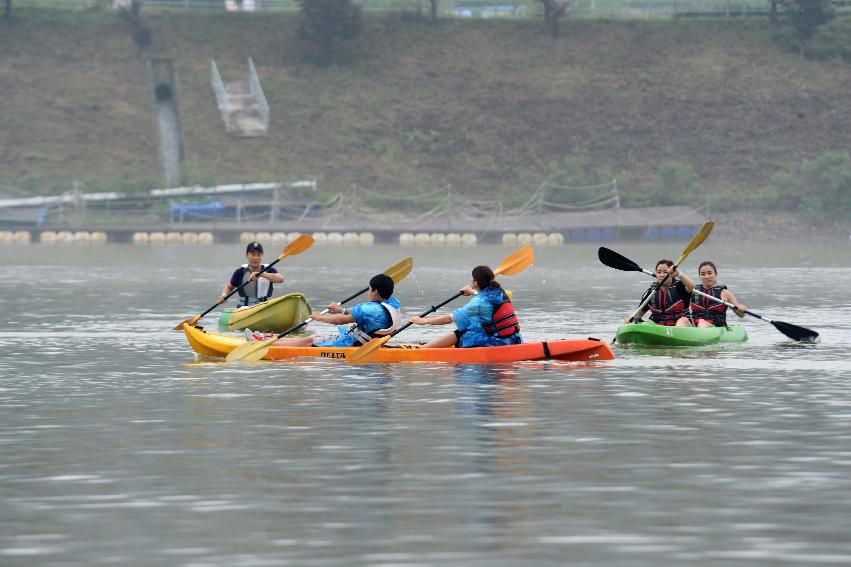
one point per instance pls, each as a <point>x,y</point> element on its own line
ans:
<point>704,311</point>
<point>670,302</point>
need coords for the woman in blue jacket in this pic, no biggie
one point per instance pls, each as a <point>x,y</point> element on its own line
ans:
<point>488,319</point>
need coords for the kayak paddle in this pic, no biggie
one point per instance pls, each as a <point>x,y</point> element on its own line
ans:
<point>295,247</point>
<point>513,264</point>
<point>614,260</point>
<point>253,351</point>
<point>698,239</point>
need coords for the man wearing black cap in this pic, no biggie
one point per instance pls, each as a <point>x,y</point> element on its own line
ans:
<point>260,289</point>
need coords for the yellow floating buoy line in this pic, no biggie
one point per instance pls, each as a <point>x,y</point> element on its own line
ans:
<point>333,238</point>
<point>173,237</point>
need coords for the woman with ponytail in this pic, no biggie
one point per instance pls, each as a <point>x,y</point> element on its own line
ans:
<point>488,319</point>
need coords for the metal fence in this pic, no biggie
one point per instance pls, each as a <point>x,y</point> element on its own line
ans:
<point>469,9</point>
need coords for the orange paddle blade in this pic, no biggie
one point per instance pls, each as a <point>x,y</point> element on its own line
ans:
<point>698,239</point>
<point>251,351</point>
<point>363,353</point>
<point>191,321</point>
<point>516,262</point>
<point>401,270</point>
<point>297,246</point>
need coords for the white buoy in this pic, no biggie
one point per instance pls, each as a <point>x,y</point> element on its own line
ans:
<point>350,239</point>
<point>82,237</point>
<point>65,237</point>
<point>46,237</point>
<point>206,238</point>
<point>292,236</point>
<point>6,237</point>
<point>437,239</point>
<point>406,239</point>
<point>263,237</point>
<point>539,239</point>
<point>156,238</point>
<point>189,237</point>
<point>524,238</point>
<point>366,239</point>
<point>469,239</point>
<point>422,239</point>
<point>555,239</point>
<point>246,237</point>
<point>453,239</point>
<point>100,237</point>
<point>140,238</point>
<point>509,239</point>
<point>320,238</point>
<point>335,238</point>
<point>279,238</point>
<point>173,237</point>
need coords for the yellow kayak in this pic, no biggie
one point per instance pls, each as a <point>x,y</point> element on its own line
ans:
<point>271,316</point>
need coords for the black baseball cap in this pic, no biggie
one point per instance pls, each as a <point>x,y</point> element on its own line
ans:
<point>252,246</point>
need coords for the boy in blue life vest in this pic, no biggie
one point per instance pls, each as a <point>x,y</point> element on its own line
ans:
<point>377,317</point>
<point>260,288</point>
<point>488,319</point>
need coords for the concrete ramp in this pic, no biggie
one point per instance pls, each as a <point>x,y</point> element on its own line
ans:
<point>242,104</point>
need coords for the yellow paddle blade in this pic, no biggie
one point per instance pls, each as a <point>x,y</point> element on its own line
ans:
<point>297,246</point>
<point>516,262</point>
<point>401,270</point>
<point>363,353</point>
<point>698,239</point>
<point>191,321</point>
<point>250,351</point>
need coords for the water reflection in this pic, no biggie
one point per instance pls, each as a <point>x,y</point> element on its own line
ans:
<point>117,447</point>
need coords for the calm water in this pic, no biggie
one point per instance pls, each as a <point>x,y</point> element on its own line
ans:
<point>118,447</point>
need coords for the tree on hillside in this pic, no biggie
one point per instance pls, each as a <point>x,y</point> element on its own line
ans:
<point>553,11</point>
<point>140,32</point>
<point>806,16</point>
<point>7,12</point>
<point>434,4</point>
<point>329,24</point>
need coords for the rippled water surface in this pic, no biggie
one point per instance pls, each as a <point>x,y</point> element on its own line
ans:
<point>119,447</point>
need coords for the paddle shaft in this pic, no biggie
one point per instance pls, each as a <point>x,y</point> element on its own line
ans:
<point>295,328</point>
<point>423,314</point>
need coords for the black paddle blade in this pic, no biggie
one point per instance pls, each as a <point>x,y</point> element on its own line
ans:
<point>795,332</point>
<point>614,260</point>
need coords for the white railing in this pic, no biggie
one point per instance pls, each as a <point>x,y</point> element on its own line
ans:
<point>463,9</point>
<point>220,94</point>
<point>257,91</point>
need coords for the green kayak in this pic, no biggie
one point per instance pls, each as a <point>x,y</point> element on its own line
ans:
<point>271,316</point>
<point>646,333</point>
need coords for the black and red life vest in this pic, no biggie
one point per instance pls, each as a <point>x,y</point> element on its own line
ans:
<point>705,308</point>
<point>666,306</point>
<point>504,322</point>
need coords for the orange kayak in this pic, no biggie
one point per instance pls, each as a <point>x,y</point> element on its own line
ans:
<point>579,350</point>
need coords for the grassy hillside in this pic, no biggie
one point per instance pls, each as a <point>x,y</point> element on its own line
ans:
<point>488,106</point>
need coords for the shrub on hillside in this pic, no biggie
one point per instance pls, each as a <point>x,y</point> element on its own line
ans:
<point>827,180</point>
<point>675,183</point>
<point>328,25</point>
<point>738,198</point>
<point>832,40</point>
